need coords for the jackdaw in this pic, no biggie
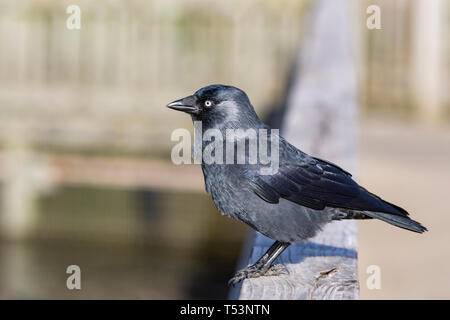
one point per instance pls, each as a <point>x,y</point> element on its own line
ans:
<point>289,204</point>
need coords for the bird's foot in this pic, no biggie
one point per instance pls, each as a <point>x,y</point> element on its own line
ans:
<point>256,271</point>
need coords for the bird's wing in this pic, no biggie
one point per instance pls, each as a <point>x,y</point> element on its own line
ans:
<point>318,184</point>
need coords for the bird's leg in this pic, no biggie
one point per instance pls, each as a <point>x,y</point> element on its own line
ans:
<point>263,267</point>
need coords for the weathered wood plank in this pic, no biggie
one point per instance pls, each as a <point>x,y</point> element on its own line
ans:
<point>323,268</point>
<point>321,119</point>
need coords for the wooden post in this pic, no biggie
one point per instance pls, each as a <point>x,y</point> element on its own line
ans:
<point>18,194</point>
<point>24,176</point>
<point>321,118</point>
<point>427,63</point>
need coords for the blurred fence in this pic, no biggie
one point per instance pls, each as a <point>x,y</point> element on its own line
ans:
<point>106,84</point>
<point>406,64</point>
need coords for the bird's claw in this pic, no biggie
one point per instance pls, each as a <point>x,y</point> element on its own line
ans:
<point>255,271</point>
<point>276,270</point>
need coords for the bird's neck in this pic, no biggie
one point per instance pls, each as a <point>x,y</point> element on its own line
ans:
<point>229,124</point>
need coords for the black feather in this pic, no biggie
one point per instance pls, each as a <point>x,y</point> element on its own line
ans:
<point>318,184</point>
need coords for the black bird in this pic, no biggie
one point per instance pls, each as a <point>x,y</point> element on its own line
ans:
<point>291,204</point>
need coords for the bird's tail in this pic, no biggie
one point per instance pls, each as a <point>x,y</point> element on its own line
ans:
<point>401,221</point>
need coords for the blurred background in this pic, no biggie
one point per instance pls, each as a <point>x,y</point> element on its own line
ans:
<point>85,170</point>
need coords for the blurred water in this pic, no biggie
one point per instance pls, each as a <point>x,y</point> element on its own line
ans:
<point>128,244</point>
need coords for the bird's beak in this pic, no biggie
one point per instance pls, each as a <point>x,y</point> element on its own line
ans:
<point>187,105</point>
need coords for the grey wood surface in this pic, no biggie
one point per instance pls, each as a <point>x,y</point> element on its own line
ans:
<point>320,119</point>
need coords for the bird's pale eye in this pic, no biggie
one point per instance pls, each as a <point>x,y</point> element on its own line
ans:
<point>208,103</point>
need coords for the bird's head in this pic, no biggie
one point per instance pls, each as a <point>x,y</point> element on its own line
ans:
<point>218,106</point>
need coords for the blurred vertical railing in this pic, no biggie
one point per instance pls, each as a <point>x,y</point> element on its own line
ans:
<point>128,60</point>
<point>134,45</point>
<point>406,61</point>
